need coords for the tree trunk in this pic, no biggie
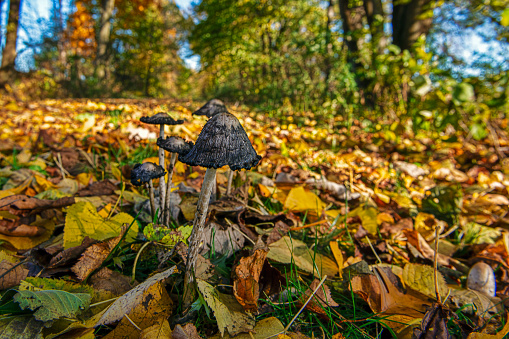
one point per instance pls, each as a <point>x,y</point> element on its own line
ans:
<point>375,15</point>
<point>411,20</point>
<point>352,24</point>
<point>104,37</point>
<point>328,46</point>
<point>9,51</point>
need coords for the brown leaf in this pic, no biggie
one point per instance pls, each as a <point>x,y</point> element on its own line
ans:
<point>246,286</point>
<point>104,187</point>
<point>382,295</point>
<point>416,239</point>
<point>94,256</point>
<point>188,331</point>
<point>111,281</point>
<point>71,254</point>
<point>20,230</point>
<point>321,300</point>
<point>23,205</point>
<point>434,323</point>
<point>10,274</point>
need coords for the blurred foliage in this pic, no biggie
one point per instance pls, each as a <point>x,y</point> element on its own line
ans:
<point>335,58</point>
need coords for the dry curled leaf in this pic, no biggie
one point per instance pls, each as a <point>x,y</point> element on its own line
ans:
<point>246,286</point>
<point>94,256</point>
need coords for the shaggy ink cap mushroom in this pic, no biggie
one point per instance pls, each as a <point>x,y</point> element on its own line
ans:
<point>211,108</point>
<point>175,145</point>
<point>161,119</point>
<point>143,173</point>
<point>222,142</point>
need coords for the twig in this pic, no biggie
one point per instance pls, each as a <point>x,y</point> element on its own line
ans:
<point>301,309</point>
<point>103,302</point>
<point>132,322</point>
<point>373,249</point>
<point>237,229</point>
<point>118,200</point>
<point>435,265</point>
<point>136,260</point>
<point>298,228</point>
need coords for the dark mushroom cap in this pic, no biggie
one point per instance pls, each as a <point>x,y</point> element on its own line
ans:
<point>175,145</point>
<point>161,119</point>
<point>211,108</point>
<point>222,142</point>
<point>143,173</point>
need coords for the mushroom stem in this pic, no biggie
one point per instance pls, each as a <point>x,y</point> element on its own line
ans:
<point>152,200</point>
<point>213,192</point>
<point>230,180</point>
<point>195,241</point>
<point>162,181</point>
<point>167,208</point>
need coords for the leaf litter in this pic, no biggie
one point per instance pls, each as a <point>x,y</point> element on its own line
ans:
<point>364,213</point>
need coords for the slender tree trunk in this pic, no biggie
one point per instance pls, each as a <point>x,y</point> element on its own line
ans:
<point>103,38</point>
<point>352,24</point>
<point>410,20</point>
<point>328,46</point>
<point>375,15</point>
<point>9,51</point>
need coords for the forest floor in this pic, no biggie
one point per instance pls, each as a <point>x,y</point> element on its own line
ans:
<point>332,235</point>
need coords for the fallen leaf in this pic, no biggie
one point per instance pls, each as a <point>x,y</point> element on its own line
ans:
<point>288,250</point>
<point>368,216</point>
<point>434,323</point>
<point>320,301</point>
<point>160,330</point>
<point>246,286</point>
<point>422,278</point>
<point>131,299</point>
<point>338,255</point>
<point>264,328</point>
<point>52,304</point>
<point>21,327</point>
<point>11,273</point>
<point>228,312</point>
<point>83,220</point>
<point>94,256</point>
<point>300,200</point>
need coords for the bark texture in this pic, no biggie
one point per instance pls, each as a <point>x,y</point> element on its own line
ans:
<point>9,51</point>
<point>410,20</point>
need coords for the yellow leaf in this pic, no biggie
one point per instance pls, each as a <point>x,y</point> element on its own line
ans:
<point>422,278</point>
<point>83,220</point>
<point>25,243</point>
<point>104,212</point>
<point>41,184</point>
<point>38,162</point>
<point>338,255</point>
<point>287,250</point>
<point>116,172</point>
<point>24,157</point>
<point>264,191</point>
<point>368,216</point>
<point>384,217</point>
<point>84,178</point>
<point>300,200</point>
<point>194,175</point>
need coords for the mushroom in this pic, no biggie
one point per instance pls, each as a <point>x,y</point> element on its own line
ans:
<point>176,146</point>
<point>143,174</point>
<point>161,119</point>
<point>222,142</point>
<point>211,108</point>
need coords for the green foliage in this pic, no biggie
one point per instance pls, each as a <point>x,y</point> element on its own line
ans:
<point>52,304</point>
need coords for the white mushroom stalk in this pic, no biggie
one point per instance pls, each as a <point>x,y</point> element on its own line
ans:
<point>222,142</point>
<point>161,119</point>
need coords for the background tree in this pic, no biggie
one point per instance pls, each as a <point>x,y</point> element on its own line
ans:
<point>11,37</point>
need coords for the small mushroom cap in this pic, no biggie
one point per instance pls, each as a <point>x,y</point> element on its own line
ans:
<point>175,145</point>
<point>482,278</point>
<point>143,173</point>
<point>211,108</point>
<point>222,142</point>
<point>161,119</point>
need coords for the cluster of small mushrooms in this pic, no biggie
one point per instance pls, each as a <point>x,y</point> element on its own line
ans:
<point>222,142</point>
